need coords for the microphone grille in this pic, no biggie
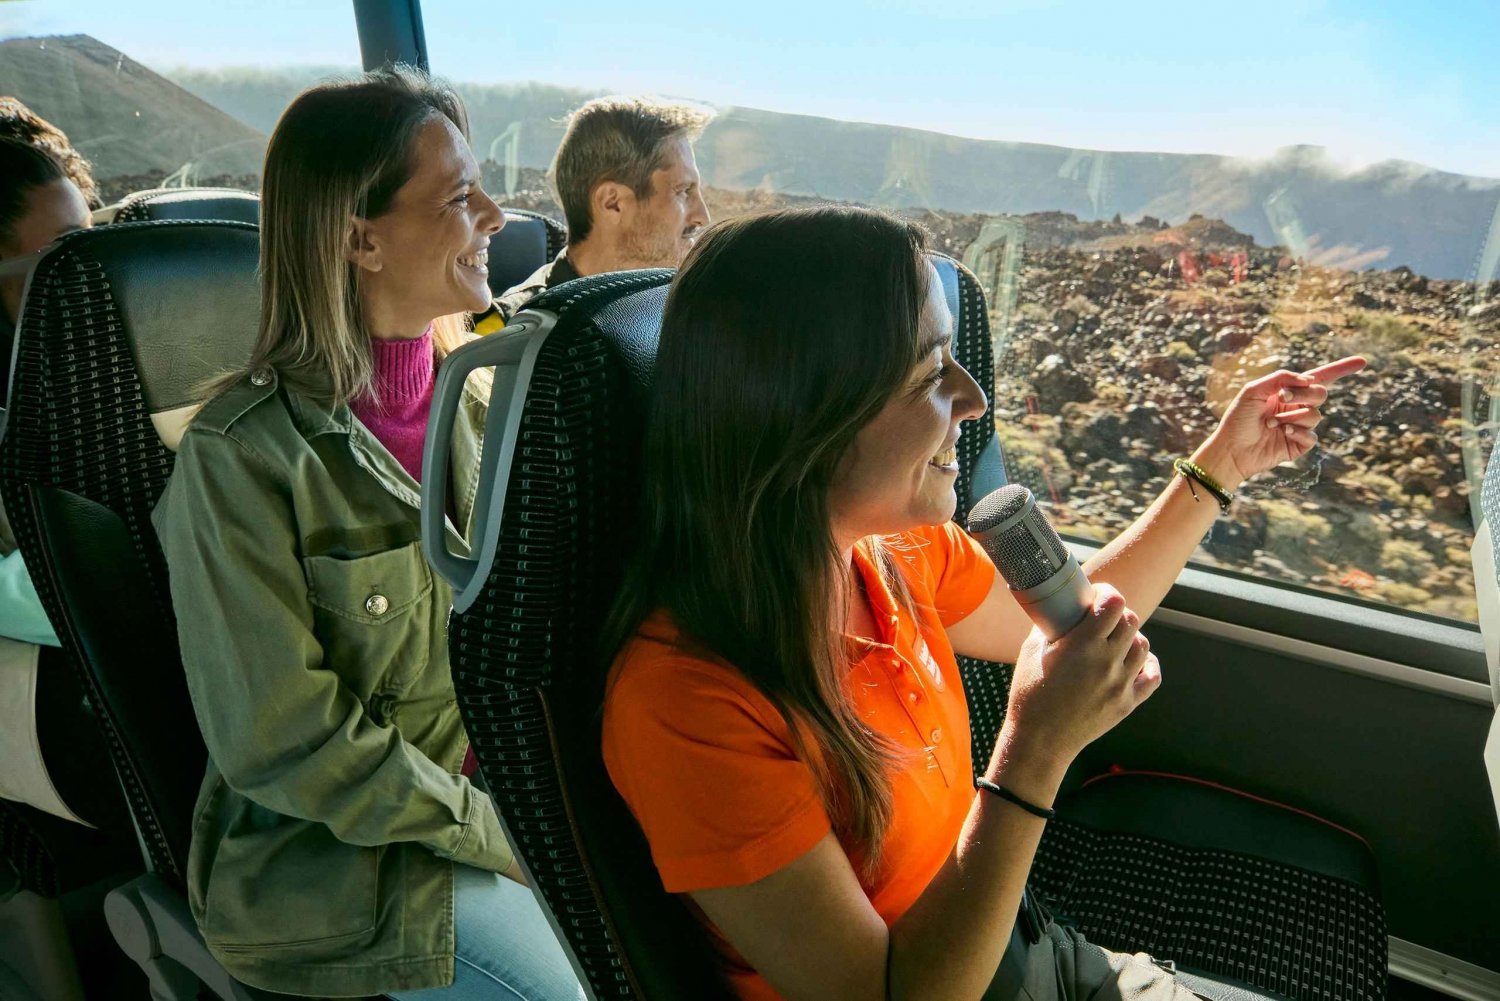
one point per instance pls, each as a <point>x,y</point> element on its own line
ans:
<point>1027,552</point>
<point>997,507</point>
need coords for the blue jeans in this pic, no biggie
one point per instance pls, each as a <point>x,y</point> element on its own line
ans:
<point>503,948</point>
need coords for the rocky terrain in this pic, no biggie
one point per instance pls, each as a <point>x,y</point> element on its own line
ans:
<point>1121,358</point>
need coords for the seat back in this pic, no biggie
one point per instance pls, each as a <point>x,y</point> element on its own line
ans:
<point>160,204</point>
<point>573,375</point>
<point>528,241</point>
<point>119,327</point>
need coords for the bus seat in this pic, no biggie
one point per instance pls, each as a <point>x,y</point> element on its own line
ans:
<point>120,326</point>
<point>1229,887</point>
<point>527,611</point>
<point>223,204</point>
<point>528,240</point>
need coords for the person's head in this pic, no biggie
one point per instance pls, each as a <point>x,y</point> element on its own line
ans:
<point>21,123</point>
<point>628,183</point>
<point>373,224</point>
<point>37,205</point>
<point>804,398</point>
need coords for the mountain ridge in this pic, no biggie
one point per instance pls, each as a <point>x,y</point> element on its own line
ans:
<point>121,115</point>
<point>1388,214</point>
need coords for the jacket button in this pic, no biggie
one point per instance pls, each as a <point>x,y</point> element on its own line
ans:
<point>260,377</point>
<point>936,736</point>
<point>376,604</point>
<point>914,697</point>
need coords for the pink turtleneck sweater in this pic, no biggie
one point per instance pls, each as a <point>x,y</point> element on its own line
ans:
<point>403,385</point>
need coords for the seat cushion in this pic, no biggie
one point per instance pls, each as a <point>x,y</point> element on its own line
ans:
<point>1197,814</point>
<point>1244,889</point>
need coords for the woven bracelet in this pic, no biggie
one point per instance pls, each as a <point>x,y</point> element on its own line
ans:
<point>1192,471</point>
<point>1010,797</point>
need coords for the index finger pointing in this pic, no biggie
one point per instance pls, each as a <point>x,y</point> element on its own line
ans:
<point>1335,370</point>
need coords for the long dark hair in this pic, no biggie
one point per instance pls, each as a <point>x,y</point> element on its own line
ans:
<point>784,335</point>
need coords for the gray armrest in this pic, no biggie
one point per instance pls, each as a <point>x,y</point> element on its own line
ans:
<point>153,926</point>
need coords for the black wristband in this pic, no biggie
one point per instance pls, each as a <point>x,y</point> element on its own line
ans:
<point>1010,797</point>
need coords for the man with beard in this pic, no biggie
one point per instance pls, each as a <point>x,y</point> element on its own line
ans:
<point>629,189</point>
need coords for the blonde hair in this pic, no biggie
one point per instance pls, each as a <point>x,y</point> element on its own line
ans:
<point>341,150</point>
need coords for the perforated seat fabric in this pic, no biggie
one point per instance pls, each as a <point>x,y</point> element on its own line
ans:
<point>1286,929</point>
<point>1199,814</point>
<point>161,204</point>
<point>1218,883</point>
<point>101,347</point>
<point>526,665</point>
<point>52,857</point>
<point>32,867</point>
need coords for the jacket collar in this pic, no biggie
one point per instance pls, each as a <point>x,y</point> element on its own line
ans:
<point>313,416</point>
<point>559,270</point>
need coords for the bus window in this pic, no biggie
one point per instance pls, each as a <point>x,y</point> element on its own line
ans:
<point>184,97</point>
<point>1135,193</point>
<point>1140,205</point>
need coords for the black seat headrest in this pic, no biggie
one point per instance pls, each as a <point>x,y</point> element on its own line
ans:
<point>225,204</point>
<point>528,241</point>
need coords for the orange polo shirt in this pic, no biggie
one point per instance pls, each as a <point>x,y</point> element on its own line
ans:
<point>708,767</point>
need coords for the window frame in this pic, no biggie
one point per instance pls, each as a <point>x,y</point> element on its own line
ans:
<point>391,31</point>
<point>1444,656</point>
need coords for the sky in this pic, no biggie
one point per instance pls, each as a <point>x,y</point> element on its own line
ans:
<point>1367,79</point>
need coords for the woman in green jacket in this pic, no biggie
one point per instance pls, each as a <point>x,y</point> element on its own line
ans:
<point>338,846</point>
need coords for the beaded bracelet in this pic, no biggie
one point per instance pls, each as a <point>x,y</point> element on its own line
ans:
<point>1192,471</point>
<point>1010,797</point>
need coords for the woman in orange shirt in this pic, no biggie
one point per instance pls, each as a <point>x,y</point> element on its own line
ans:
<point>785,717</point>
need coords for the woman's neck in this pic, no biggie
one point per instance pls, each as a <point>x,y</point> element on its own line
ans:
<point>386,321</point>
<point>404,332</point>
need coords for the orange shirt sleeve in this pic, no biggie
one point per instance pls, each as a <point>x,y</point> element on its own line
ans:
<point>958,570</point>
<point>707,767</point>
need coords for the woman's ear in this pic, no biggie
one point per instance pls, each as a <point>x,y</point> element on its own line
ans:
<point>361,248</point>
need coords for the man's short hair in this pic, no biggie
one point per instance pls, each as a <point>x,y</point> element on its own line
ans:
<point>24,125</point>
<point>620,139</point>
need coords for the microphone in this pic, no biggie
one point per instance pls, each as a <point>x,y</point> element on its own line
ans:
<point>1026,550</point>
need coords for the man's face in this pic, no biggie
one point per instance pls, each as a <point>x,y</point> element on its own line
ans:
<point>660,228</point>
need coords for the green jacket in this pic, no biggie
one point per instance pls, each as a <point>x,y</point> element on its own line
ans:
<point>314,639</point>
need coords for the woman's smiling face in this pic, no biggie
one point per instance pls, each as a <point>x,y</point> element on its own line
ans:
<point>427,255</point>
<point>901,470</point>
